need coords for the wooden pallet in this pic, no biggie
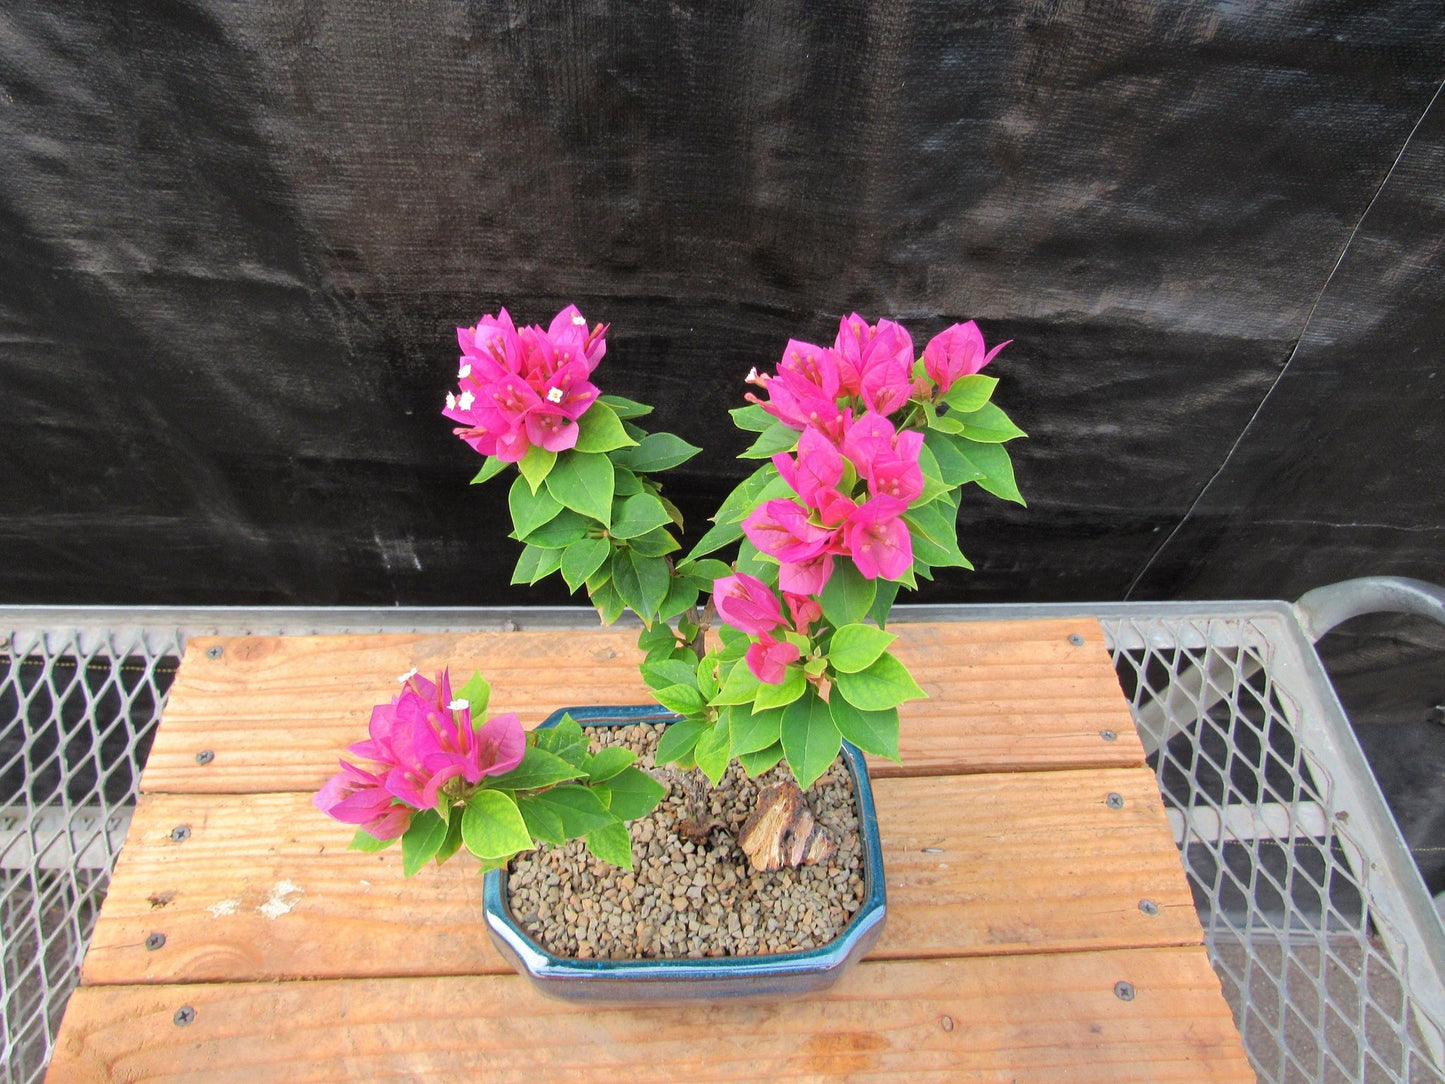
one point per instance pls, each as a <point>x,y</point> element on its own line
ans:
<point>1014,892</point>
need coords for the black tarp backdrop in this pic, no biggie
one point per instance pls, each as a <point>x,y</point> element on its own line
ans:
<point>235,239</point>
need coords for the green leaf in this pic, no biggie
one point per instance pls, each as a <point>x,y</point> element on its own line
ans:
<point>847,595</point>
<point>937,423</point>
<point>566,740</point>
<point>753,730</point>
<point>717,536</point>
<point>422,839</point>
<point>714,750</point>
<point>536,562</point>
<point>644,584</point>
<point>678,740</point>
<point>988,424</point>
<point>625,408</point>
<point>559,532</point>
<point>624,482</point>
<point>933,484</point>
<point>857,647</point>
<point>636,515</point>
<point>657,452</point>
<point>782,694</point>
<point>935,536</point>
<point>477,693</point>
<point>753,563</point>
<point>490,469</point>
<point>681,596</point>
<point>600,430</point>
<point>885,684</point>
<point>608,602</point>
<point>655,543</point>
<point>683,699</point>
<point>955,467</point>
<point>368,843</point>
<point>582,558</point>
<point>606,763</point>
<point>752,418</point>
<point>580,810</point>
<point>740,687</point>
<point>810,740</point>
<point>584,482</point>
<point>536,465</point>
<point>453,841</point>
<point>492,825</point>
<point>874,732</point>
<point>659,638</point>
<point>997,471</point>
<point>539,768</point>
<point>883,601</point>
<point>774,439</point>
<point>530,510</point>
<point>611,843</point>
<point>704,573</point>
<point>755,764</point>
<point>970,393</point>
<point>543,823</point>
<point>744,496</point>
<point>633,792</point>
<point>659,675</point>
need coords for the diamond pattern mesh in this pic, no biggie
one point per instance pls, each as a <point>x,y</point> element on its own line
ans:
<point>1279,878</point>
<point>78,711</point>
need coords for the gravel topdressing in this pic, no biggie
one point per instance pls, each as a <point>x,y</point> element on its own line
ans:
<point>685,900</point>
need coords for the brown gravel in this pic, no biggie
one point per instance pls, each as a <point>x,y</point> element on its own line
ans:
<point>684,900</point>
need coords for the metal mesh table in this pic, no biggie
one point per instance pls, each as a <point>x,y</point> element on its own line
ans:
<point>1325,942</point>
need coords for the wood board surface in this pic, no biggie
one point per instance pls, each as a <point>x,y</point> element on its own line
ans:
<point>1014,892</point>
<point>276,711</point>
<point>1022,1018</point>
<point>264,887</point>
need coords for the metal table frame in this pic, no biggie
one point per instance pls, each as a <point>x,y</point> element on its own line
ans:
<point>1325,941</point>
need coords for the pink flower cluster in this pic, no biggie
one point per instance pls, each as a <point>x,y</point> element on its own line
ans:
<point>748,604</point>
<point>525,388</point>
<point>854,477</point>
<point>422,739</point>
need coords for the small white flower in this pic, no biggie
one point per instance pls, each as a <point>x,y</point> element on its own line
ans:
<point>555,395</point>
<point>465,371</point>
<point>580,320</point>
<point>752,375</point>
<point>407,676</point>
<point>451,401</point>
<point>459,705</point>
<point>466,400</point>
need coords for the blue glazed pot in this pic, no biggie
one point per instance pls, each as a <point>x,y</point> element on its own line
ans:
<point>776,975</point>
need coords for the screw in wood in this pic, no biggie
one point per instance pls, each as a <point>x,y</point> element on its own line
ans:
<point>184,1015</point>
<point>205,756</point>
<point>1149,907</point>
<point>155,941</point>
<point>1108,735</point>
<point>1076,639</point>
<point>1124,991</point>
<point>181,832</point>
<point>215,652</point>
<point>1115,800</point>
<point>946,1023</point>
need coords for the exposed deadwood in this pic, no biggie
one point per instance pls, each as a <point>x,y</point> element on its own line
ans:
<point>782,832</point>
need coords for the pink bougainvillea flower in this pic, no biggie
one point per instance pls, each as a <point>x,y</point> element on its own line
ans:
<point>746,603</point>
<point>455,749</point>
<point>806,577</point>
<point>818,467</point>
<point>805,611</point>
<point>805,390</point>
<point>885,457</point>
<point>525,388</point>
<point>768,658</point>
<point>356,796</point>
<point>861,348</point>
<point>956,352</point>
<point>878,539</point>
<point>781,529</point>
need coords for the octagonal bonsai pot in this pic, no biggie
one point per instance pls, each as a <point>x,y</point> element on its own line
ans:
<point>642,980</point>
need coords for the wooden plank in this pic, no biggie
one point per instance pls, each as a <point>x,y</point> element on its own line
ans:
<point>277,711</point>
<point>264,888</point>
<point>1000,1018</point>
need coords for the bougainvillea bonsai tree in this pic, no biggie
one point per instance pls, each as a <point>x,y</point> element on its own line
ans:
<point>865,449</point>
